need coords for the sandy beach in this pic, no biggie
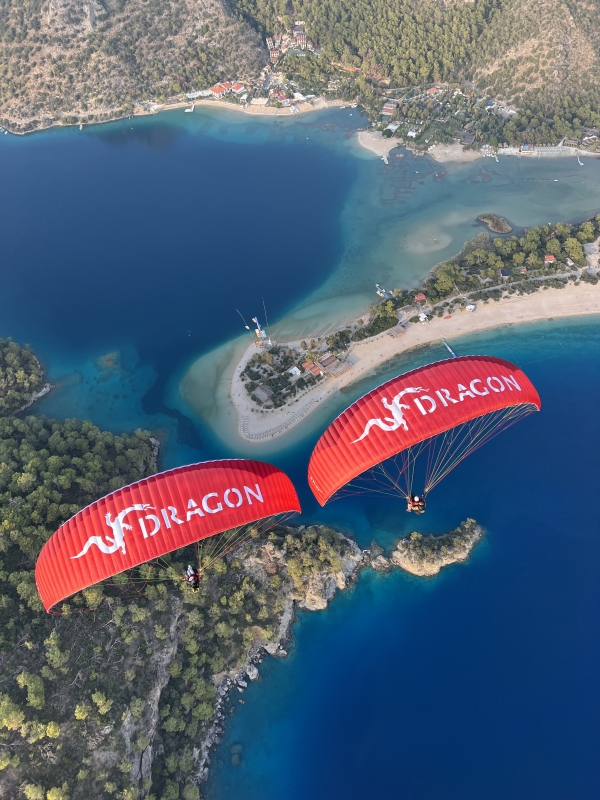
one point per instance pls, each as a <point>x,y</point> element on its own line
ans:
<point>318,104</point>
<point>375,143</point>
<point>446,153</point>
<point>259,426</point>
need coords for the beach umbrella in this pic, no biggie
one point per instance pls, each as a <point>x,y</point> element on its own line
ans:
<point>419,425</point>
<point>221,502</point>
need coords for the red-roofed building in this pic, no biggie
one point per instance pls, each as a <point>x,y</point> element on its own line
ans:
<point>311,367</point>
<point>219,89</point>
<point>549,259</point>
<point>238,88</point>
<point>420,298</point>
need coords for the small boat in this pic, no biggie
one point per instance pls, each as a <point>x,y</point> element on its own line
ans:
<point>80,126</point>
<point>190,110</point>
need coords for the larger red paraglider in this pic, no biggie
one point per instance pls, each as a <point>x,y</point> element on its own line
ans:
<point>156,516</point>
<point>454,405</point>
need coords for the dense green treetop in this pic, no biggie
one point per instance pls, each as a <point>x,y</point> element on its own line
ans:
<point>51,469</point>
<point>20,376</point>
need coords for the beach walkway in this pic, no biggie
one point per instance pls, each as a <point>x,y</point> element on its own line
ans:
<point>547,303</point>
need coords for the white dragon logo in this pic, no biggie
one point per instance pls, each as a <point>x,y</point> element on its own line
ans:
<point>118,528</point>
<point>396,420</point>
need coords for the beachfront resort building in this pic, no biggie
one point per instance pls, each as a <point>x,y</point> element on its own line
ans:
<point>314,369</point>
<point>220,89</point>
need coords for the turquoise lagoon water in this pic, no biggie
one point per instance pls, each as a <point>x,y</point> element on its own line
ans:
<point>142,238</point>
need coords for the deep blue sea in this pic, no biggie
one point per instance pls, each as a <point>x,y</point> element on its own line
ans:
<point>142,238</point>
<point>478,684</point>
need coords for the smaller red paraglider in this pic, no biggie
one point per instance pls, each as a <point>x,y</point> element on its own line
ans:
<point>158,515</point>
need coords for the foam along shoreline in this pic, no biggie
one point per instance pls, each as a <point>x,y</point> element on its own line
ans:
<point>366,356</point>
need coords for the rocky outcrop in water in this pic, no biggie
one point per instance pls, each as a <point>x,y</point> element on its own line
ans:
<point>425,555</point>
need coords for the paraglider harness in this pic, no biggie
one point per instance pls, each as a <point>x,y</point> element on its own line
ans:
<point>416,503</point>
<point>192,577</point>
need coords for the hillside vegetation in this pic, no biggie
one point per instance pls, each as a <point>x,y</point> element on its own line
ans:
<point>76,60</point>
<point>406,41</point>
<point>120,691</point>
<point>92,60</point>
<point>543,54</point>
<point>113,694</point>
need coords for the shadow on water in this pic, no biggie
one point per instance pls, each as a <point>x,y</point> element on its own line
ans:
<point>158,137</point>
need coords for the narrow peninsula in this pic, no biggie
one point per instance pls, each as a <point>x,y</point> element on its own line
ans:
<point>550,271</point>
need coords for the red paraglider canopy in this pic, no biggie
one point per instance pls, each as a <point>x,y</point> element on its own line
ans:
<point>413,408</point>
<point>155,516</point>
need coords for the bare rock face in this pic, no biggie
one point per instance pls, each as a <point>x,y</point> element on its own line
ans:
<point>426,555</point>
<point>321,587</point>
<point>381,564</point>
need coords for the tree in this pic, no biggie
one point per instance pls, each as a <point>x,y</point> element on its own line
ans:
<point>553,247</point>
<point>81,712</point>
<point>58,793</point>
<point>171,790</point>
<point>588,231</point>
<point>34,792</point>
<point>574,249</point>
<point>11,716</point>
<point>35,689</point>
<point>102,703</point>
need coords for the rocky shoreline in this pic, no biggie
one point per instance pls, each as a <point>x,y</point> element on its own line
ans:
<point>495,223</point>
<point>305,567</point>
<point>320,590</point>
<point>46,388</point>
<point>418,554</point>
<point>427,555</point>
